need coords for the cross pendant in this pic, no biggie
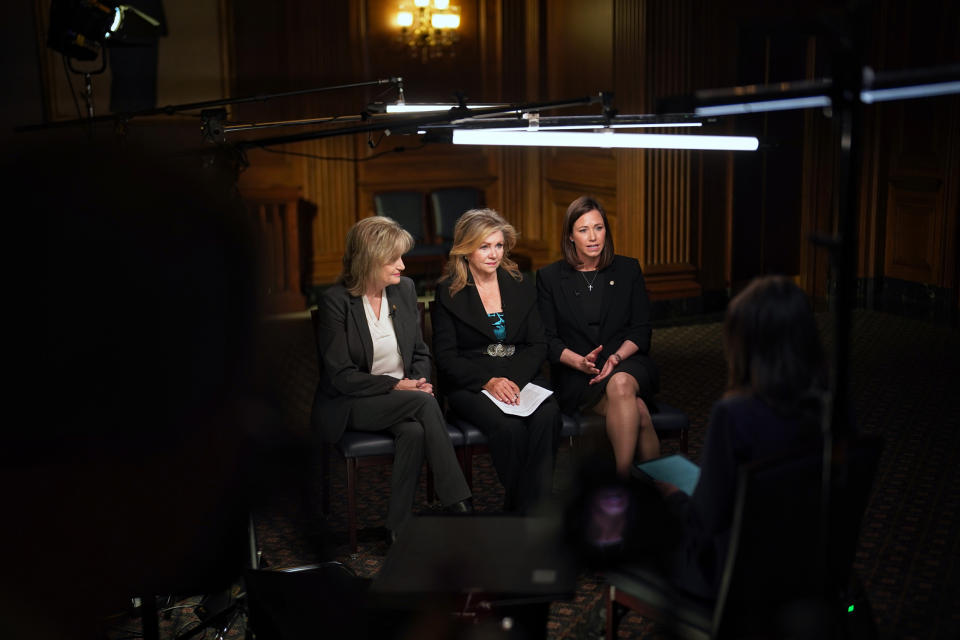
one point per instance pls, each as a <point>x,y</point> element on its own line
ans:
<point>589,287</point>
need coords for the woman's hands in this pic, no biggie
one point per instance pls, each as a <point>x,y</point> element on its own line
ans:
<point>608,366</point>
<point>420,384</point>
<point>504,390</point>
<point>585,364</point>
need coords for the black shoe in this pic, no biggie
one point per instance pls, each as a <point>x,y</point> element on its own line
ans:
<point>464,506</point>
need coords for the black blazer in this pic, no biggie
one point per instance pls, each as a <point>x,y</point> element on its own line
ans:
<point>462,330</point>
<point>625,316</point>
<point>347,353</point>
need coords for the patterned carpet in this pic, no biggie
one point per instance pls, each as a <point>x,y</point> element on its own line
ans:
<point>905,379</point>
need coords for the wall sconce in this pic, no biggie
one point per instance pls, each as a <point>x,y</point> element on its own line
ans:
<point>428,28</point>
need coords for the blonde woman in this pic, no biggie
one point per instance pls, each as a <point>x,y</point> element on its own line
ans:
<point>487,335</point>
<point>376,368</point>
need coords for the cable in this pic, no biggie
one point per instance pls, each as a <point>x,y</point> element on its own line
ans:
<point>73,94</point>
<point>344,159</point>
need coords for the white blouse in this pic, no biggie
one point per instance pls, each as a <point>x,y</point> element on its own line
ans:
<point>386,352</point>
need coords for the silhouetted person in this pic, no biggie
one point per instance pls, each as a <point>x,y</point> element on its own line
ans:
<point>125,475</point>
<point>775,385</point>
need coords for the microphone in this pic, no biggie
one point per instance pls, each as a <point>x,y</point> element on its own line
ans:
<point>393,310</point>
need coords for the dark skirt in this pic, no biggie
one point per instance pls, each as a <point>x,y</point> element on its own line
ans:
<point>592,393</point>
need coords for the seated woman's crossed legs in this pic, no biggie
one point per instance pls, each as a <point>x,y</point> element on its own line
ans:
<point>628,422</point>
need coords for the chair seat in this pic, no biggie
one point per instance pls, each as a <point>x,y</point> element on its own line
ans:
<point>570,427</point>
<point>637,582</point>
<point>362,444</point>
<point>669,418</point>
<point>666,419</point>
<point>469,432</point>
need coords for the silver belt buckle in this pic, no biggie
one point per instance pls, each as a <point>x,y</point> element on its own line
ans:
<point>500,350</point>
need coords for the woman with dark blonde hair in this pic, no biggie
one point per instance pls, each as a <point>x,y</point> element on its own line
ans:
<point>596,316</point>
<point>376,368</point>
<point>487,336</point>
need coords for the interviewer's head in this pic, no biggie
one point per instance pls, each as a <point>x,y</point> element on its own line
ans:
<point>372,243</point>
<point>771,342</point>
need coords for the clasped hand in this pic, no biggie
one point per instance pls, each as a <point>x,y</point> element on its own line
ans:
<point>589,365</point>
<point>504,390</point>
<point>420,384</point>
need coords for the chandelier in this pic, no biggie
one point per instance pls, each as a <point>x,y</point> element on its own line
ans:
<point>428,28</point>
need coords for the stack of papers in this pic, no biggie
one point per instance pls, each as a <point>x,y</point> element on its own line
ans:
<point>531,396</point>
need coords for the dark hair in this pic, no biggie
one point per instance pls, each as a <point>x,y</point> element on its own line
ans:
<point>580,206</point>
<point>772,344</point>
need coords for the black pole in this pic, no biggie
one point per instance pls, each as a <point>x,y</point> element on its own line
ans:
<point>172,109</point>
<point>406,124</point>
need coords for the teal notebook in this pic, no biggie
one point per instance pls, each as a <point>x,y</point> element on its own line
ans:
<point>674,469</point>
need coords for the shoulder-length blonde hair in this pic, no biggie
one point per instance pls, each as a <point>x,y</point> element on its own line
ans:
<point>471,230</point>
<point>371,243</point>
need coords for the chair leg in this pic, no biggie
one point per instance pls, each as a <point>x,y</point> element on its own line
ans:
<point>325,478</point>
<point>352,502</point>
<point>467,465</point>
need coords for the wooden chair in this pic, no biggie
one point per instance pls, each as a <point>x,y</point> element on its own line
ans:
<point>407,208</point>
<point>446,207</point>
<point>776,575</point>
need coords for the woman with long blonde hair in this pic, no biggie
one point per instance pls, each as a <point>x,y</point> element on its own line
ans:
<point>487,336</point>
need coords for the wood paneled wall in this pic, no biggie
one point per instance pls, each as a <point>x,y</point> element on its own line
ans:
<point>675,211</point>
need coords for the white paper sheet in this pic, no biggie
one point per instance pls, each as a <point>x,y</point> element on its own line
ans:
<point>531,396</point>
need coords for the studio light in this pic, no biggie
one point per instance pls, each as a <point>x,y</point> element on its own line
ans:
<point>81,28</point>
<point>786,104</point>
<point>603,140</point>
<point>909,92</point>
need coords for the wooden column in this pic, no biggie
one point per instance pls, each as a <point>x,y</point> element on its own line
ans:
<point>652,59</point>
<point>332,186</point>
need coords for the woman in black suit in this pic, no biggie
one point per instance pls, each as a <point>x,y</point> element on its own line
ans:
<point>376,368</point>
<point>487,335</point>
<point>596,316</point>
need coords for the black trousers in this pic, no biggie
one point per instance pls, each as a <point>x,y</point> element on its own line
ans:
<point>523,449</point>
<point>417,424</point>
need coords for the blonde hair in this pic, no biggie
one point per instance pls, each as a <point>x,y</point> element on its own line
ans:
<point>371,243</point>
<point>471,230</point>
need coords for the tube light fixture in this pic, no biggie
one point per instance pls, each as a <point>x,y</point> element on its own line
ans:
<point>580,127</point>
<point>604,140</point>
<point>869,96</point>
<point>785,104</point>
